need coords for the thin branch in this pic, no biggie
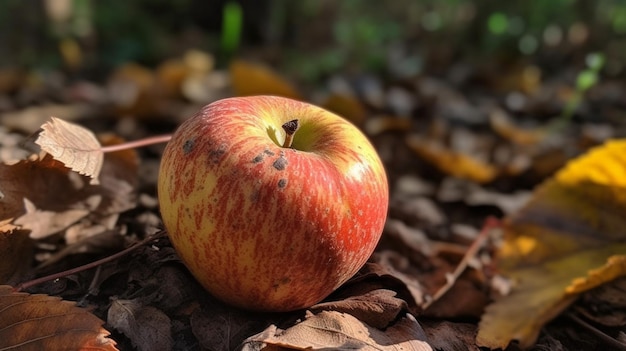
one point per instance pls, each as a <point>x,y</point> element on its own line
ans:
<point>490,224</point>
<point>31,283</point>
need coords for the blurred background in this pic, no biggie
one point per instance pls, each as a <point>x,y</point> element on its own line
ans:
<point>312,39</point>
<point>418,64</point>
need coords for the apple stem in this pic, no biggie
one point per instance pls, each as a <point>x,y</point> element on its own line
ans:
<point>290,129</point>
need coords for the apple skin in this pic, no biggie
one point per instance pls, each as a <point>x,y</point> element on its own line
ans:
<point>268,228</point>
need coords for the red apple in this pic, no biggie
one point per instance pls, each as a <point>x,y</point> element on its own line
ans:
<point>265,226</point>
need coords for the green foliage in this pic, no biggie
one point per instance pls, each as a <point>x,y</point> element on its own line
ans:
<point>232,19</point>
<point>585,80</point>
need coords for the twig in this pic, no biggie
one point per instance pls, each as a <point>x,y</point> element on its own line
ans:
<point>490,224</point>
<point>31,283</point>
<point>137,143</point>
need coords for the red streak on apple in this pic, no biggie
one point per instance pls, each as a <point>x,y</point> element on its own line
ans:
<point>264,227</point>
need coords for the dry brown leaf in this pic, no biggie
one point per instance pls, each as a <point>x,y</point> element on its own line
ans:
<point>16,251</point>
<point>606,304</point>
<point>399,267</point>
<point>567,239</point>
<point>340,331</point>
<point>75,146</point>
<point>256,79</point>
<point>147,327</point>
<point>44,223</point>
<point>452,162</point>
<point>448,336</point>
<point>377,308</point>
<point>41,322</point>
<point>37,180</point>
<point>222,328</point>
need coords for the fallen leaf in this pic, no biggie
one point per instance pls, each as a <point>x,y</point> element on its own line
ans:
<point>31,118</point>
<point>569,238</point>
<point>75,146</point>
<point>398,266</point>
<point>377,308</point>
<point>452,162</point>
<point>341,331</point>
<point>606,304</point>
<point>346,106</point>
<point>44,223</point>
<point>249,78</point>
<point>41,322</point>
<point>15,249</point>
<point>147,327</point>
<point>38,180</point>
<point>222,328</point>
<point>501,123</point>
<point>449,336</point>
<point>381,124</point>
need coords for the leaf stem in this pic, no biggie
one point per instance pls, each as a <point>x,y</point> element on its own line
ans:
<point>31,283</point>
<point>137,143</point>
<point>290,129</point>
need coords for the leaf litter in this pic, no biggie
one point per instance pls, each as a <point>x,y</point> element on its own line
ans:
<point>449,172</point>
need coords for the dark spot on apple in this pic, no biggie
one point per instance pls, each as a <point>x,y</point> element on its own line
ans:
<point>268,152</point>
<point>188,146</point>
<point>282,183</point>
<point>216,154</point>
<point>280,163</point>
<point>258,158</point>
<point>281,281</point>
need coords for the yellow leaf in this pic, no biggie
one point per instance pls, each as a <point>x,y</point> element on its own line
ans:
<point>256,79</point>
<point>452,162</point>
<point>569,238</point>
<point>501,123</point>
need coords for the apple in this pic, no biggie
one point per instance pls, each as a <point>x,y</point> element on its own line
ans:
<point>271,203</point>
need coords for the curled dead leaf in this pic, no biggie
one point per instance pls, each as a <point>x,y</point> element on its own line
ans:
<point>75,146</point>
